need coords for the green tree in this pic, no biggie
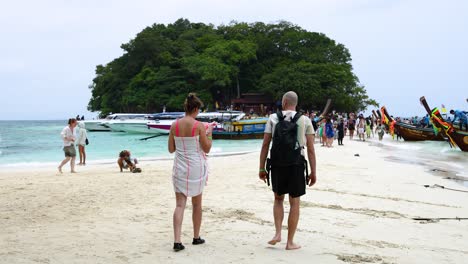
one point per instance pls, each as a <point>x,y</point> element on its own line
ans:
<point>163,63</point>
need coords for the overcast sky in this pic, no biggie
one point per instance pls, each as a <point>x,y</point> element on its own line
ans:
<point>401,50</point>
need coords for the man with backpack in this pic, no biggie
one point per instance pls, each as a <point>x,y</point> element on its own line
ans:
<point>290,132</point>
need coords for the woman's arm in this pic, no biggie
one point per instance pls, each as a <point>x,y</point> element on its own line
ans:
<point>171,141</point>
<point>205,142</point>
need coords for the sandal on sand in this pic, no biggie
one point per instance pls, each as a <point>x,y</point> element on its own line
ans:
<point>178,247</point>
<point>198,241</point>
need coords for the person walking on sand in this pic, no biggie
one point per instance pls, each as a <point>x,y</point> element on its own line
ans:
<point>68,137</point>
<point>323,132</point>
<point>190,141</point>
<point>351,126</point>
<point>340,129</point>
<point>288,163</point>
<point>330,133</point>
<point>361,127</point>
<point>81,142</point>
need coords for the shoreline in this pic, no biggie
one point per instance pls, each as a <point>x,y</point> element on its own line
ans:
<point>19,167</point>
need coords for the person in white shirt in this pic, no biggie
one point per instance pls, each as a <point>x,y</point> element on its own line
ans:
<point>284,180</point>
<point>68,137</point>
<point>81,142</point>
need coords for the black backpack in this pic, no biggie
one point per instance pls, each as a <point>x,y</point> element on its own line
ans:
<point>286,150</point>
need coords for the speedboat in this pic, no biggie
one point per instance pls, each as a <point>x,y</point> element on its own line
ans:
<point>162,122</point>
<point>102,124</point>
<point>140,124</point>
<point>163,125</point>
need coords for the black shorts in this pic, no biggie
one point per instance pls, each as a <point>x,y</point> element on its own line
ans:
<point>290,179</point>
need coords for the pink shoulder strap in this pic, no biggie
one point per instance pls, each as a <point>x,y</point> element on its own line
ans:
<point>194,128</point>
<point>177,128</point>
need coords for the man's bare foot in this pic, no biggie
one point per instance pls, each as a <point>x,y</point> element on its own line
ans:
<point>79,164</point>
<point>73,171</point>
<point>274,240</point>
<point>292,246</point>
<point>59,169</point>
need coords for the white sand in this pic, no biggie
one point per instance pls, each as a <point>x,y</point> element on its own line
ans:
<point>359,211</point>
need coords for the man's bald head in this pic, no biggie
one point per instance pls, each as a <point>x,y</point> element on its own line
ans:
<point>290,100</point>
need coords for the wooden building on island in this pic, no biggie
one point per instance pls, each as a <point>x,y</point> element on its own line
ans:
<point>254,103</point>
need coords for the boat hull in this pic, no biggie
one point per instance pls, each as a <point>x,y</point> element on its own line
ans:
<point>456,137</point>
<point>237,135</point>
<point>136,128</point>
<point>410,133</point>
<point>95,125</point>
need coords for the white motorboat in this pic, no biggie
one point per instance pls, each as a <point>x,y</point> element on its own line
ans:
<point>101,124</point>
<point>164,126</point>
<point>140,124</point>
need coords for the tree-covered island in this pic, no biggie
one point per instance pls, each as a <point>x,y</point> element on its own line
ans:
<point>163,63</point>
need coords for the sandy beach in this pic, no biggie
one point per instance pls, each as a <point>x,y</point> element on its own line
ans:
<point>360,211</point>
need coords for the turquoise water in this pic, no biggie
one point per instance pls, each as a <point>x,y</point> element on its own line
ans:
<point>33,143</point>
<point>38,143</point>
<point>436,156</point>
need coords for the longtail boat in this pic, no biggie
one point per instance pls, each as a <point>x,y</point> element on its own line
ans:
<point>456,137</point>
<point>408,132</point>
<point>241,129</point>
<point>326,110</point>
<point>375,115</point>
<point>250,128</point>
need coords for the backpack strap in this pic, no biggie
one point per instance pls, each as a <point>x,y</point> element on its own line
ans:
<point>296,117</point>
<point>280,115</point>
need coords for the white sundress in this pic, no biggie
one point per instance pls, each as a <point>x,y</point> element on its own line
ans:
<point>190,171</point>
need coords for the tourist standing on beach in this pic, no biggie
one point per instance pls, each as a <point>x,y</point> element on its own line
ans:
<point>340,128</point>
<point>286,178</point>
<point>68,137</point>
<point>323,132</point>
<point>190,141</point>
<point>330,133</point>
<point>81,142</point>
<point>351,126</point>
<point>313,119</point>
<point>380,131</point>
<point>361,127</point>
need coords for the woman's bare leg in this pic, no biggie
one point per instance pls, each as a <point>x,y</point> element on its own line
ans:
<point>178,217</point>
<point>196,215</point>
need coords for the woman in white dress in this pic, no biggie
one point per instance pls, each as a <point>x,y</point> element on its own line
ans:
<point>190,141</point>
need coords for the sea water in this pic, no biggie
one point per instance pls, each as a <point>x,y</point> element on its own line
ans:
<point>438,157</point>
<point>38,143</point>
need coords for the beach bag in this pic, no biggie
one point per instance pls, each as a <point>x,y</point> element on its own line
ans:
<point>87,141</point>
<point>286,150</point>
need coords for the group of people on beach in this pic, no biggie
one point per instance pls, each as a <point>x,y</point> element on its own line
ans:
<point>338,125</point>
